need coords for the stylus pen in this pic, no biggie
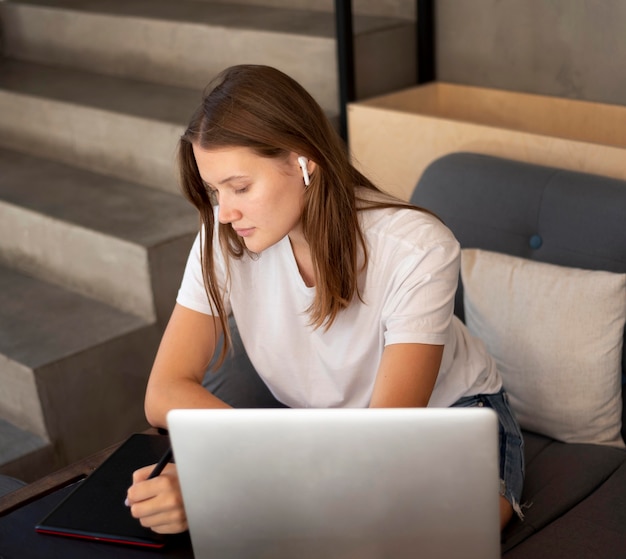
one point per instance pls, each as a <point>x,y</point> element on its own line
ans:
<point>165,459</point>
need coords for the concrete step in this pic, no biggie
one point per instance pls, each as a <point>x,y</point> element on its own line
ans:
<point>24,455</point>
<point>115,241</point>
<point>187,42</point>
<point>72,370</point>
<point>120,127</point>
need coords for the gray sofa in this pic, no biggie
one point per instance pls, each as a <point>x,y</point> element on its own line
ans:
<point>575,494</point>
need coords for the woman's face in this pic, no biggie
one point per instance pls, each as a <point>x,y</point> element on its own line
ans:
<point>261,198</point>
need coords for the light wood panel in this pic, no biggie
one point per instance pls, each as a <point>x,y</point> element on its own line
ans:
<point>394,137</point>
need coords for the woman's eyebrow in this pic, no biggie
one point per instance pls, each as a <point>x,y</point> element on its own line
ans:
<point>232,178</point>
<point>224,181</point>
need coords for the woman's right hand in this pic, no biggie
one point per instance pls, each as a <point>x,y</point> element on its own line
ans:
<point>158,502</point>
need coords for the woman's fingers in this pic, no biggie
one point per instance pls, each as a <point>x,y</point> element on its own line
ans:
<point>143,473</point>
<point>166,522</point>
<point>157,503</point>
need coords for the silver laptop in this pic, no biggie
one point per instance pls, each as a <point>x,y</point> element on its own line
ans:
<point>339,483</point>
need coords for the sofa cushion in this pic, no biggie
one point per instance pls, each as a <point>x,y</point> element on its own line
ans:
<point>556,334</point>
<point>558,477</point>
<point>593,528</point>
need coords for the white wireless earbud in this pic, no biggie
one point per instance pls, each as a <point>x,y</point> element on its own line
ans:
<point>303,161</point>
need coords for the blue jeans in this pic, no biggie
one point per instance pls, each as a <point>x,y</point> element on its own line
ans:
<point>511,444</point>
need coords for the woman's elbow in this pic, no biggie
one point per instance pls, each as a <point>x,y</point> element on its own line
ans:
<point>154,413</point>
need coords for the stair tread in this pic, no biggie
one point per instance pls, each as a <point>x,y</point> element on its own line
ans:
<point>296,21</point>
<point>41,323</point>
<point>16,442</point>
<point>127,211</point>
<point>123,95</point>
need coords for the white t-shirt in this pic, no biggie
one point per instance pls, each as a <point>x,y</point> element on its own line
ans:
<point>407,296</point>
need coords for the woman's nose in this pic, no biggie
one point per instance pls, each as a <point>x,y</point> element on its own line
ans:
<point>227,212</point>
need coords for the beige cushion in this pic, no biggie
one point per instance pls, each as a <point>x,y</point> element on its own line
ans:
<point>556,334</point>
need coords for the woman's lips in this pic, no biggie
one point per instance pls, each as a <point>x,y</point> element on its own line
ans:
<point>246,232</point>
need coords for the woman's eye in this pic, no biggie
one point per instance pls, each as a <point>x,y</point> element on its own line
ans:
<point>241,190</point>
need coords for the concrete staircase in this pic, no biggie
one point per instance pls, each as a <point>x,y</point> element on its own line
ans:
<point>93,231</point>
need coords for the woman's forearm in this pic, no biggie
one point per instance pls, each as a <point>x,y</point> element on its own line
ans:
<point>164,396</point>
<point>186,349</point>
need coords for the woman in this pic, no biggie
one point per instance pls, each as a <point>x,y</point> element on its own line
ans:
<point>343,296</point>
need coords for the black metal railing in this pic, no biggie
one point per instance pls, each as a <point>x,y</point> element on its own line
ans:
<point>426,67</point>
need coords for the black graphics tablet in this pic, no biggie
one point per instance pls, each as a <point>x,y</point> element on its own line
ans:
<point>95,509</point>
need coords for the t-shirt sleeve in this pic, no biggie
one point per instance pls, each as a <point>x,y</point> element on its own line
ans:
<point>420,302</point>
<point>192,293</point>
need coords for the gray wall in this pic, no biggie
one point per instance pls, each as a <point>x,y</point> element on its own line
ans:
<point>567,48</point>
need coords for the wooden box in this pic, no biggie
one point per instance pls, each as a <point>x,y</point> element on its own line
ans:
<point>394,137</point>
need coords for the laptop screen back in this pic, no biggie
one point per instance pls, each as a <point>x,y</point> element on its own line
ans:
<point>341,483</point>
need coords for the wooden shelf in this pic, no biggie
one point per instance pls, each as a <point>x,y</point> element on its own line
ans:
<point>394,137</point>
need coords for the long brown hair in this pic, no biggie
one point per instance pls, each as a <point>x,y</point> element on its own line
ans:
<point>263,109</point>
